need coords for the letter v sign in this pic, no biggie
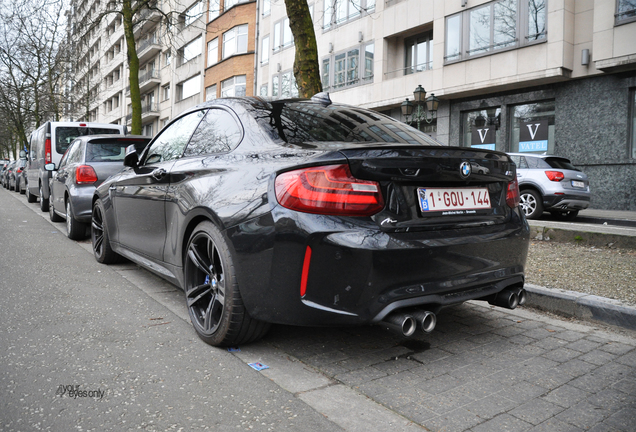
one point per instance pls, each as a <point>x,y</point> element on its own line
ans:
<point>482,137</point>
<point>533,133</point>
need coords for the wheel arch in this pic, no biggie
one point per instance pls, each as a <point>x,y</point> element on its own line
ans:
<point>196,217</point>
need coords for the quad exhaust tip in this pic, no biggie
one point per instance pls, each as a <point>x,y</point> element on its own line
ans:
<point>426,319</point>
<point>509,298</point>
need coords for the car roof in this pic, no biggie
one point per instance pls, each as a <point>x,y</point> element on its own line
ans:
<point>542,156</point>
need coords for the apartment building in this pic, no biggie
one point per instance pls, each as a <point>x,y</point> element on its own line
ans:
<point>556,76</point>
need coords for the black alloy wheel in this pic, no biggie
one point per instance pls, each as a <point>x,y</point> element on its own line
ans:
<point>54,216</point>
<point>75,230</point>
<point>44,202</point>
<point>531,204</point>
<point>99,237</point>
<point>212,295</point>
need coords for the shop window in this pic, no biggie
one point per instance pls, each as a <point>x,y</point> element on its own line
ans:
<point>481,129</point>
<point>532,128</point>
<point>493,27</point>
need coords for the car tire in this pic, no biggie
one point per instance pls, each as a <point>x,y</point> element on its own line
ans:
<point>22,189</point>
<point>531,204</point>
<point>565,216</point>
<point>44,203</point>
<point>75,230</point>
<point>54,216</point>
<point>99,237</point>
<point>213,299</point>
<point>30,197</point>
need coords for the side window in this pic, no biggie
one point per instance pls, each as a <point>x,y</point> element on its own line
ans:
<point>523,163</point>
<point>70,154</point>
<point>169,145</point>
<point>218,132</point>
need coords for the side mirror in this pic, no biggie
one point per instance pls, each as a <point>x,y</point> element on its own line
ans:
<point>23,154</point>
<point>131,159</point>
<point>49,167</point>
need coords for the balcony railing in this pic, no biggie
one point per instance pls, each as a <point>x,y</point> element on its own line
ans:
<point>145,109</point>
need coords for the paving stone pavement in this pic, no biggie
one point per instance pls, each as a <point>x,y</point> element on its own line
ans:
<point>483,369</point>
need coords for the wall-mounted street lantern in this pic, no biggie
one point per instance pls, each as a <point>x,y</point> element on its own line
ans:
<point>421,107</point>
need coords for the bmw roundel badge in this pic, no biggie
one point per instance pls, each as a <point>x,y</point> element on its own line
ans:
<point>465,169</point>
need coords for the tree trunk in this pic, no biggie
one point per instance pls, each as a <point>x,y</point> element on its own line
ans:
<point>133,67</point>
<point>306,66</point>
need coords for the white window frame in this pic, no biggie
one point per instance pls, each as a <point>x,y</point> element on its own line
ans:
<point>190,87</point>
<point>214,10</point>
<point>194,13</point>
<point>229,86</point>
<point>213,52</point>
<point>235,41</point>
<point>210,92</point>
<point>350,61</point>
<point>283,36</point>
<point>267,7</point>
<point>192,49</point>
<point>265,50</point>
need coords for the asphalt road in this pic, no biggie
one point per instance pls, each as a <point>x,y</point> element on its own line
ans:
<point>90,347</point>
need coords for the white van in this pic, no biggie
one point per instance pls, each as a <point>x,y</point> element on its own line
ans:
<point>47,144</point>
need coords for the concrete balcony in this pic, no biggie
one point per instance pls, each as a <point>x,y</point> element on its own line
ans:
<point>147,49</point>
<point>148,112</point>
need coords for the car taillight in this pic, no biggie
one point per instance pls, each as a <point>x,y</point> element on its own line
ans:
<point>555,176</point>
<point>85,174</point>
<point>513,197</point>
<point>329,190</point>
<point>47,151</point>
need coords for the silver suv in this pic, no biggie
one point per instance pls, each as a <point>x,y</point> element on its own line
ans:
<point>551,183</point>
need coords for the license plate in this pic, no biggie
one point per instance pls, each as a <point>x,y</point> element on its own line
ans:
<point>447,199</point>
<point>576,183</point>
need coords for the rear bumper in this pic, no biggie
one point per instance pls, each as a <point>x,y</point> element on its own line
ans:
<point>358,274</point>
<point>566,202</point>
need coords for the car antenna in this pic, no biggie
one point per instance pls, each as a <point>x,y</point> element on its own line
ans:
<point>322,98</point>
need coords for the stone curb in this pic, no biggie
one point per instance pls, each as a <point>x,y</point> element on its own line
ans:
<point>582,306</point>
<point>582,237</point>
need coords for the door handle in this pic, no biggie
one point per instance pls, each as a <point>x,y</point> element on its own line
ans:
<point>159,173</point>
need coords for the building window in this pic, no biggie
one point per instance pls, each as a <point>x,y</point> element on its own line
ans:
<point>263,91</point>
<point>632,132</point>
<point>146,130</point>
<point>340,11</point>
<point>190,87</point>
<point>213,52</point>
<point>419,53</point>
<point>191,50</point>
<point>234,86</point>
<point>193,14</point>
<point>498,25</point>
<point>215,9</point>
<point>532,128</point>
<point>167,58</point>
<point>346,70</point>
<point>625,11</point>
<point>166,92</point>
<point>265,50</point>
<point>210,92</point>
<point>282,35</point>
<point>229,3</point>
<point>267,7</point>
<point>235,41</point>
<point>275,86</point>
<point>288,87</point>
<point>480,129</point>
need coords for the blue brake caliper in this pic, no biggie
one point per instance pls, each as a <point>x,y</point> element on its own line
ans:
<point>207,280</point>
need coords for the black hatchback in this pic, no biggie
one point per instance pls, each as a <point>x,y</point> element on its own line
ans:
<point>307,212</point>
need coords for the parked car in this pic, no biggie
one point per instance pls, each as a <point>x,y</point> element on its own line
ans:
<point>6,172</point>
<point>306,212</point>
<point>88,161</point>
<point>15,174</point>
<point>551,183</point>
<point>22,180</point>
<point>47,144</point>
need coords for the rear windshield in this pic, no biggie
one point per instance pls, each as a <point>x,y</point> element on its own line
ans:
<point>306,122</point>
<point>559,163</point>
<point>110,151</point>
<point>64,135</point>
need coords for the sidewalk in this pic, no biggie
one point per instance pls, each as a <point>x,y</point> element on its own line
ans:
<point>601,228</point>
